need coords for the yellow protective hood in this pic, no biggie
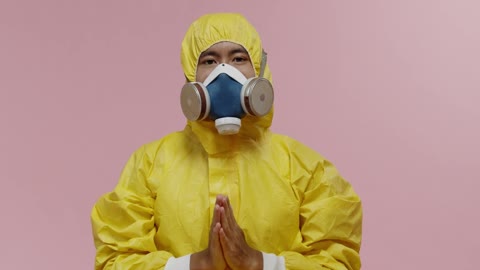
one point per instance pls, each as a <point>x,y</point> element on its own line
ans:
<point>202,34</point>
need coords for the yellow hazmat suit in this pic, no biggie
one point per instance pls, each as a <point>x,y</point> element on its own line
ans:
<point>288,199</point>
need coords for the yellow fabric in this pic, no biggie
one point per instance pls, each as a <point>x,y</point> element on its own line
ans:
<point>288,199</point>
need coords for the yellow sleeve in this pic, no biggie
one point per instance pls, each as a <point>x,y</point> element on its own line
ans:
<point>123,222</point>
<point>330,219</point>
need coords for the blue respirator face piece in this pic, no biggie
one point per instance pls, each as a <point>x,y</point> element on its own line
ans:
<point>225,99</point>
<point>226,96</point>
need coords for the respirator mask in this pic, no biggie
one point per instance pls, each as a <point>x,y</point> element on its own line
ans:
<point>226,96</point>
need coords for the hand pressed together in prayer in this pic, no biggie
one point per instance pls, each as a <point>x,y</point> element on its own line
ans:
<point>227,247</point>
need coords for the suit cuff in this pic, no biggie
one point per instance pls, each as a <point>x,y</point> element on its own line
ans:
<point>273,262</point>
<point>181,263</point>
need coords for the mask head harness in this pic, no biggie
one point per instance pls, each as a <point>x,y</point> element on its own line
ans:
<point>226,96</point>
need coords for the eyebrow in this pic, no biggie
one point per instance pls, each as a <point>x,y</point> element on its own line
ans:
<point>215,54</point>
<point>209,53</point>
<point>238,50</point>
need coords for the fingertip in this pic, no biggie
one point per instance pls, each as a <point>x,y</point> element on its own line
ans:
<point>216,227</point>
<point>222,237</point>
<point>219,212</point>
<point>220,199</point>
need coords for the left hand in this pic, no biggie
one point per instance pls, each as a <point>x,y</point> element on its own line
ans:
<point>238,254</point>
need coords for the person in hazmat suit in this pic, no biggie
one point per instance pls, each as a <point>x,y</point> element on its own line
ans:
<point>226,192</point>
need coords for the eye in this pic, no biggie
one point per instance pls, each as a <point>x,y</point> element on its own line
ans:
<point>208,62</point>
<point>239,59</point>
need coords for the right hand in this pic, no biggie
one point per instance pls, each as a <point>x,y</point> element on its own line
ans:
<point>212,257</point>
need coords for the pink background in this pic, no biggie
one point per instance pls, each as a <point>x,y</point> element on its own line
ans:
<point>387,90</point>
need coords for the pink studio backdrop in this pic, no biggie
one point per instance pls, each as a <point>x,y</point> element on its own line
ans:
<point>387,90</point>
